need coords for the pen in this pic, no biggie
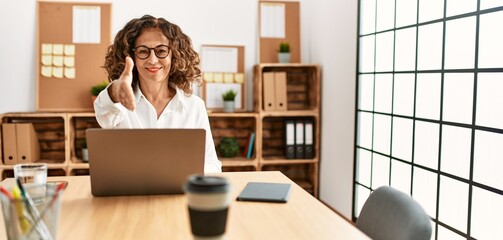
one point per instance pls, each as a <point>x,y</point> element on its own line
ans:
<point>23,222</point>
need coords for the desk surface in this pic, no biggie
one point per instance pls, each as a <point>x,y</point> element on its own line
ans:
<point>166,217</point>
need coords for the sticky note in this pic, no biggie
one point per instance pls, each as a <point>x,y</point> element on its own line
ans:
<point>46,48</point>
<point>69,50</point>
<point>208,76</point>
<point>57,72</point>
<point>46,71</point>
<point>69,61</point>
<point>70,73</point>
<point>57,61</point>
<point>228,77</point>
<point>218,77</point>
<point>46,60</point>
<point>57,49</point>
<point>239,77</point>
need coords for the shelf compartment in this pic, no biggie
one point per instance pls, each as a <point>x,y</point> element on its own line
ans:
<point>303,85</point>
<point>50,130</point>
<point>301,174</point>
<point>79,172</point>
<point>80,124</point>
<point>239,128</point>
<point>274,137</point>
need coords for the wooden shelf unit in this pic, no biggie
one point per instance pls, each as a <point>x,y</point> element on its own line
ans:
<point>60,132</point>
<point>303,102</point>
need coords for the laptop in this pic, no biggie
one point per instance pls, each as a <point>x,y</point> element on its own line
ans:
<point>125,162</point>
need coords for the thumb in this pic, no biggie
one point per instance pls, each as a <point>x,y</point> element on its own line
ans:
<point>128,68</point>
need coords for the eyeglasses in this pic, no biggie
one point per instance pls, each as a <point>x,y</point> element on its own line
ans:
<point>143,52</point>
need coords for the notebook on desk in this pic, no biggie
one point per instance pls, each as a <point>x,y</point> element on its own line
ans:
<point>126,162</point>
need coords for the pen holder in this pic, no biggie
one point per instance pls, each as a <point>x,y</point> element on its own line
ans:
<point>25,219</point>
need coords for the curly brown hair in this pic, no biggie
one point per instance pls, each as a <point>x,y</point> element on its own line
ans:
<point>184,61</point>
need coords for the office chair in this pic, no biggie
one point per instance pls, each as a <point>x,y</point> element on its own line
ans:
<point>393,215</point>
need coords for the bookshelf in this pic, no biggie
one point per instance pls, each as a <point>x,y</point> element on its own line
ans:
<point>60,132</point>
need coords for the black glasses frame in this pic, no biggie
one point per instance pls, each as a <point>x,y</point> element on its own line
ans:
<point>150,50</point>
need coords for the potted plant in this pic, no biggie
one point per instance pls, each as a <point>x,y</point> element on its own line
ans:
<point>228,98</point>
<point>284,52</point>
<point>228,147</point>
<point>84,151</point>
<point>97,88</point>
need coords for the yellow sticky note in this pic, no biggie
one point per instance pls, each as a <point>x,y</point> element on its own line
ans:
<point>57,61</point>
<point>57,72</point>
<point>69,61</point>
<point>218,77</point>
<point>46,48</point>
<point>46,60</point>
<point>239,77</point>
<point>57,49</point>
<point>69,49</point>
<point>208,76</point>
<point>228,77</point>
<point>70,73</point>
<point>46,71</point>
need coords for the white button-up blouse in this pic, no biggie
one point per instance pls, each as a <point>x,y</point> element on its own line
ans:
<point>181,112</point>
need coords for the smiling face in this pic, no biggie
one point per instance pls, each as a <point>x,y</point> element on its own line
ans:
<point>153,69</point>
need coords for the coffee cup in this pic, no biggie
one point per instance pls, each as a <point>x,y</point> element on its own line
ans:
<point>208,204</point>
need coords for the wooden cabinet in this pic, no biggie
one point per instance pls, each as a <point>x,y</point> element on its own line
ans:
<point>60,134</point>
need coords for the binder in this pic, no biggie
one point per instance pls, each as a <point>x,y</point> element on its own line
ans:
<point>299,139</point>
<point>28,149</point>
<point>269,91</point>
<point>308,139</point>
<point>9,143</point>
<point>289,139</point>
<point>281,93</point>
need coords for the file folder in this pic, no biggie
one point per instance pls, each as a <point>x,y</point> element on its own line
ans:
<point>9,143</point>
<point>308,139</point>
<point>28,148</point>
<point>289,139</point>
<point>281,93</point>
<point>269,91</point>
<point>299,139</point>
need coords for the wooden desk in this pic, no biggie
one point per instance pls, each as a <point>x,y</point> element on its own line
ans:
<point>166,217</point>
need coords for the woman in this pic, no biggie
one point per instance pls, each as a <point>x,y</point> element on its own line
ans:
<point>152,66</point>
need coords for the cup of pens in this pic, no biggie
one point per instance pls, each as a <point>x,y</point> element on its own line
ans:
<point>25,219</point>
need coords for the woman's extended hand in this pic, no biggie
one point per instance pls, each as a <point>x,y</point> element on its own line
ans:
<point>121,90</point>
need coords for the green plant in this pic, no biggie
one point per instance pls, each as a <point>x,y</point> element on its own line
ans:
<point>284,47</point>
<point>96,89</point>
<point>228,147</point>
<point>229,95</point>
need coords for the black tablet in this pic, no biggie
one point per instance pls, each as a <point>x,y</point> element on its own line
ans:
<point>265,192</point>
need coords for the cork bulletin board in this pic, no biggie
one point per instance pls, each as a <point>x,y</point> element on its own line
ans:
<point>72,39</point>
<point>279,21</point>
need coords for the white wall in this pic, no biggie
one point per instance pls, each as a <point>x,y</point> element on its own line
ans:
<point>328,38</point>
<point>333,45</point>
